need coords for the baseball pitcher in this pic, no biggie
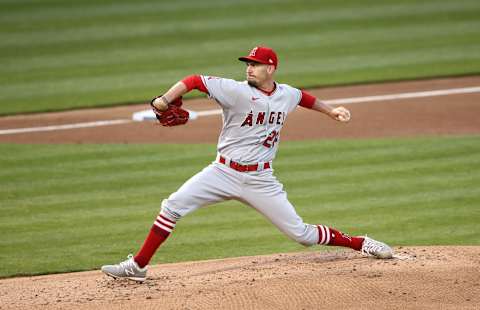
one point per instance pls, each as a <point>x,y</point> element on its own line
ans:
<point>254,112</point>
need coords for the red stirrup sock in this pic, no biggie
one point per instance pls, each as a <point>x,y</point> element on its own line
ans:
<point>330,236</point>
<point>159,232</point>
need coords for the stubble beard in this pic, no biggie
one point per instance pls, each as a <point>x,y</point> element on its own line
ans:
<point>252,83</point>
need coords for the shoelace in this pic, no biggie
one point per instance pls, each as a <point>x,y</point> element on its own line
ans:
<point>371,247</point>
<point>128,263</point>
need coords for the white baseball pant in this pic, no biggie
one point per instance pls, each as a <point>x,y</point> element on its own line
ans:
<point>260,189</point>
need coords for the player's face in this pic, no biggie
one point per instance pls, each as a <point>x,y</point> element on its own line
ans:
<point>258,74</point>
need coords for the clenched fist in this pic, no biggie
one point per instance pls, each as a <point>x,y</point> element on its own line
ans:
<point>160,103</point>
<point>340,114</point>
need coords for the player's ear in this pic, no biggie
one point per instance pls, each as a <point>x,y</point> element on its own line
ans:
<point>270,69</point>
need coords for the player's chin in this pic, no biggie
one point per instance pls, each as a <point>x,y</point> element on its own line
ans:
<point>252,82</point>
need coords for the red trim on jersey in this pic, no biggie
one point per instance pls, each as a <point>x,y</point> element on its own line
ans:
<point>307,100</point>
<point>268,93</point>
<point>195,82</point>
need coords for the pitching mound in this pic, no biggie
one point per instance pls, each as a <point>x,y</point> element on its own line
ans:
<point>420,278</point>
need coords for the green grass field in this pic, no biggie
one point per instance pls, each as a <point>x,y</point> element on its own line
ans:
<point>76,207</point>
<point>57,55</point>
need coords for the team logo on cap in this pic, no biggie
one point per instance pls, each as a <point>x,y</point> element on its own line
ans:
<point>253,52</point>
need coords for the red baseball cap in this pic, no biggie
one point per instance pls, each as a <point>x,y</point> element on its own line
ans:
<point>263,55</point>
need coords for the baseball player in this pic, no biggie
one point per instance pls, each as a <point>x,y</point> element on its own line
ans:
<point>254,112</point>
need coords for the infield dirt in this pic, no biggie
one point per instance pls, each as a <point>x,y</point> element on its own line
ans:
<point>421,278</point>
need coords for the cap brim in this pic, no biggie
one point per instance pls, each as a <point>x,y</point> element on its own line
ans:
<point>248,58</point>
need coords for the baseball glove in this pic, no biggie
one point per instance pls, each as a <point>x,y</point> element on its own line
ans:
<point>174,115</point>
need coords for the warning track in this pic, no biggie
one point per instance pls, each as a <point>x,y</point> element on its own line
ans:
<point>428,107</point>
<point>420,94</point>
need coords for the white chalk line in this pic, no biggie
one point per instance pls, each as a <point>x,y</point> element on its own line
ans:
<point>63,127</point>
<point>431,93</point>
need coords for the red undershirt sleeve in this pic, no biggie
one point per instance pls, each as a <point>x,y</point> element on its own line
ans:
<point>195,82</point>
<point>307,100</point>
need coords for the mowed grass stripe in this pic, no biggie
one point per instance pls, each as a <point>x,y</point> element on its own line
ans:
<point>84,63</point>
<point>137,176</point>
<point>415,190</point>
<point>105,153</point>
<point>135,168</point>
<point>369,199</point>
<point>315,207</point>
<point>404,191</point>
<point>78,11</point>
<point>140,173</point>
<point>112,56</point>
<point>129,27</point>
<point>109,84</point>
<point>354,191</point>
<point>333,36</point>
<point>85,166</point>
<point>74,14</point>
<point>402,168</point>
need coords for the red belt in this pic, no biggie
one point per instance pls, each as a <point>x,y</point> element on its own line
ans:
<point>243,168</point>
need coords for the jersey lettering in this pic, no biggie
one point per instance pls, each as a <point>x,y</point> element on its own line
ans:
<point>279,116</point>
<point>250,117</point>
<point>274,118</point>
<point>260,118</point>
<point>248,120</point>
<point>271,118</point>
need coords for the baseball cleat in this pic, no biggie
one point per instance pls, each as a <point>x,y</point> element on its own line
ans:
<point>127,269</point>
<point>376,248</point>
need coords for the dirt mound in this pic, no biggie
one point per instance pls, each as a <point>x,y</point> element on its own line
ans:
<point>419,278</point>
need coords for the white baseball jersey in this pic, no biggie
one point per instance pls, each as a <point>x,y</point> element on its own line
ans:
<point>252,120</point>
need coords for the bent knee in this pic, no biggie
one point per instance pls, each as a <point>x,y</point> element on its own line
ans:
<point>306,235</point>
<point>169,211</point>
<point>175,209</point>
<point>303,240</point>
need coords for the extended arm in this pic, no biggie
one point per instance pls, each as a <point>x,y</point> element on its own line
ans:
<point>179,89</point>
<point>176,91</point>
<point>168,107</point>
<point>339,113</point>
